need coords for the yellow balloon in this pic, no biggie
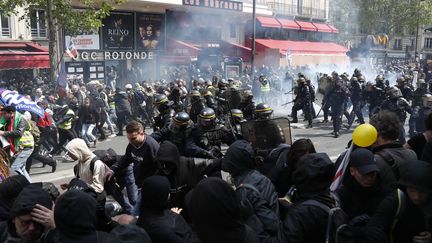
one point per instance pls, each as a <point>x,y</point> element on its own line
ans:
<point>364,135</point>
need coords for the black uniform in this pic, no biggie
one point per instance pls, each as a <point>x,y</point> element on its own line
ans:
<point>337,98</point>
<point>400,106</point>
<point>163,119</point>
<point>248,108</point>
<point>357,102</point>
<point>302,102</point>
<point>417,104</point>
<point>197,105</point>
<point>205,143</point>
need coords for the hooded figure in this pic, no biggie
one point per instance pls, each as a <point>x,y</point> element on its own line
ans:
<point>9,190</point>
<point>75,218</point>
<point>21,227</point>
<point>129,233</point>
<point>312,179</point>
<point>182,172</point>
<point>252,186</point>
<point>407,216</point>
<point>161,224</point>
<point>216,212</point>
<point>78,150</point>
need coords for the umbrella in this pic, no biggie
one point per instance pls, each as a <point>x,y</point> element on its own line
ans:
<point>12,98</point>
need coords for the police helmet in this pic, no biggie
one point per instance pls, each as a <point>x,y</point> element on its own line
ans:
<point>207,93</point>
<point>394,92</point>
<point>300,75</point>
<point>161,99</point>
<point>195,93</point>
<point>361,79</point>
<point>379,77</point>
<point>427,100</point>
<point>400,80</point>
<point>421,83</point>
<point>334,74</point>
<point>230,80</point>
<point>354,79</point>
<point>263,111</point>
<point>301,80</point>
<point>128,86</point>
<point>237,115</point>
<point>181,118</point>
<point>207,118</point>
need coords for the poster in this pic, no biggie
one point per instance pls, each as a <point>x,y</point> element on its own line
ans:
<point>150,31</point>
<point>118,31</point>
<point>84,41</point>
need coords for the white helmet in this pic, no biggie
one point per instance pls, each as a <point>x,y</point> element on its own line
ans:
<point>128,86</point>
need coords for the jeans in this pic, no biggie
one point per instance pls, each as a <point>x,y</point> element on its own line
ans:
<point>87,132</point>
<point>19,164</point>
<point>124,180</point>
<point>137,207</point>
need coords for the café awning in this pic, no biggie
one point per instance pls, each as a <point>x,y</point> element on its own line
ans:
<point>23,55</point>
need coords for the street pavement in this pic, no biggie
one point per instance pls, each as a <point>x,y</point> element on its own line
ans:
<point>320,135</point>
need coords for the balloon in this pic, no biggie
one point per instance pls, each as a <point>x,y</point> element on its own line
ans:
<point>364,135</point>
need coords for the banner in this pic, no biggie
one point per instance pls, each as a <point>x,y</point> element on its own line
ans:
<point>12,98</point>
<point>150,31</point>
<point>118,31</point>
<point>84,42</point>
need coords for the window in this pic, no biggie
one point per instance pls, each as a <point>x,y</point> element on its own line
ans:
<point>428,43</point>
<point>398,44</point>
<point>4,25</point>
<point>233,32</point>
<point>38,24</point>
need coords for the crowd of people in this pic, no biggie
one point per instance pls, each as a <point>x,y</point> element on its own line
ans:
<point>179,183</point>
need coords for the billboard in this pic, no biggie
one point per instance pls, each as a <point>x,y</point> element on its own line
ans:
<point>118,31</point>
<point>150,31</point>
<point>87,41</point>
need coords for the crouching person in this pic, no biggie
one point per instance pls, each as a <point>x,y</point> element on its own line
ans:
<point>91,170</point>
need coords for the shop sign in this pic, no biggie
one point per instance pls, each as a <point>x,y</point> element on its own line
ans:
<point>218,4</point>
<point>114,55</point>
<point>84,42</point>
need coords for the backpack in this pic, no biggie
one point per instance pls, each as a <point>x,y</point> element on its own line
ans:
<point>92,165</point>
<point>391,162</point>
<point>337,219</point>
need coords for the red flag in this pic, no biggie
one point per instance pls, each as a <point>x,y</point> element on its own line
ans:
<point>71,49</point>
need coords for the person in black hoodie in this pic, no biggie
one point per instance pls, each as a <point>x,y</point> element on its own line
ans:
<point>403,217</point>
<point>123,109</point>
<point>312,178</point>
<point>9,190</point>
<point>22,225</point>
<point>182,172</point>
<point>75,219</point>
<point>217,213</point>
<point>252,186</point>
<point>361,191</point>
<point>162,224</point>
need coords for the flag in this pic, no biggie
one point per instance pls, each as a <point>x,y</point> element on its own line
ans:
<point>71,49</point>
<point>62,82</point>
<point>337,179</point>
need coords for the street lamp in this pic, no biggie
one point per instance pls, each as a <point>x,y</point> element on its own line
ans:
<point>253,39</point>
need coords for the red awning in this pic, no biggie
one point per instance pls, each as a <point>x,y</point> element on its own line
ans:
<point>236,50</point>
<point>181,48</point>
<point>301,47</point>
<point>23,55</point>
<point>306,25</point>
<point>323,27</point>
<point>334,30</point>
<point>289,24</point>
<point>268,22</point>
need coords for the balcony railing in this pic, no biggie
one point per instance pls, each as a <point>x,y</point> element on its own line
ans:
<point>313,12</point>
<point>5,32</point>
<point>38,33</point>
<point>282,8</point>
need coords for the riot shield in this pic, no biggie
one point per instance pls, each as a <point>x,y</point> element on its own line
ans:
<point>267,135</point>
<point>324,85</point>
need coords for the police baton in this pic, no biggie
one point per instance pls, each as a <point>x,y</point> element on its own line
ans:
<point>288,103</point>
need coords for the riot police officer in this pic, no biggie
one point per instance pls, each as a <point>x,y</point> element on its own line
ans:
<point>209,101</point>
<point>197,105</point>
<point>165,112</point>
<point>302,102</point>
<point>417,104</point>
<point>207,136</point>
<point>337,97</point>
<point>268,133</point>
<point>177,132</point>
<point>357,101</point>
<point>311,89</point>
<point>405,89</point>
<point>375,94</point>
<point>424,112</point>
<point>399,105</point>
<point>247,105</point>
<point>235,123</point>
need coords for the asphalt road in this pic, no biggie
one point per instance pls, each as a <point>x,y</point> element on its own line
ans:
<point>320,134</point>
